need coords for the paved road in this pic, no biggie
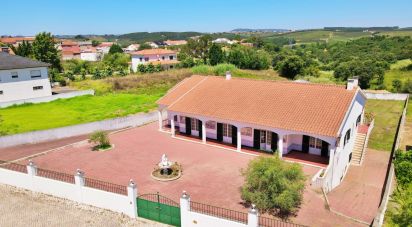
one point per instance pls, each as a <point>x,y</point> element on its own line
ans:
<point>24,208</point>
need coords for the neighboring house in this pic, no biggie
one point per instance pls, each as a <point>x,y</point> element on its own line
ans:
<point>223,41</point>
<point>70,52</point>
<point>104,47</point>
<point>7,50</point>
<point>153,45</point>
<point>90,54</point>
<point>175,42</point>
<point>132,48</point>
<point>15,41</point>
<point>164,57</point>
<point>22,78</point>
<point>306,121</point>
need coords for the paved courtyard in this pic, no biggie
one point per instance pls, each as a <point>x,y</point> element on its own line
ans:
<point>211,175</point>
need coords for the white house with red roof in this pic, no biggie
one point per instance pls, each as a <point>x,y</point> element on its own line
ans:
<point>314,124</point>
<point>166,58</point>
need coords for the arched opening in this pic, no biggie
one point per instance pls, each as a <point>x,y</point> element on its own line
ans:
<point>306,148</point>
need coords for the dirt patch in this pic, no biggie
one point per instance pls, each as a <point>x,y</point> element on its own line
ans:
<point>20,207</point>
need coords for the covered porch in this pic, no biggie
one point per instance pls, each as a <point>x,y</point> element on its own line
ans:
<point>246,138</point>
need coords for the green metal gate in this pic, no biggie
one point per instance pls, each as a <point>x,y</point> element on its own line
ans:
<point>158,208</point>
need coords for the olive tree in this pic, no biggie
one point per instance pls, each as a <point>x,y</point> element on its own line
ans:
<point>273,185</point>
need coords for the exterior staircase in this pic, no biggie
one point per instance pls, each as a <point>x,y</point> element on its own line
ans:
<point>358,151</point>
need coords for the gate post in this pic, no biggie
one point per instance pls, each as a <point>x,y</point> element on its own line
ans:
<point>32,171</point>
<point>80,182</point>
<point>185,209</point>
<point>132,197</point>
<point>253,217</point>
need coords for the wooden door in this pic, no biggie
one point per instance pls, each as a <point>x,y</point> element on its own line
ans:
<point>305,144</point>
<point>325,149</point>
<point>219,132</point>
<point>234,135</point>
<point>188,126</point>
<point>256,138</point>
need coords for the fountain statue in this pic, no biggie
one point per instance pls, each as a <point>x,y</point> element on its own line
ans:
<point>165,165</point>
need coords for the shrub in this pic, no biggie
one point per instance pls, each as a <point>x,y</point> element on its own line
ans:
<point>101,139</point>
<point>202,70</point>
<point>403,167</point>
<point>221,69</point>
<point>401,214</point>
<point>273,185</point>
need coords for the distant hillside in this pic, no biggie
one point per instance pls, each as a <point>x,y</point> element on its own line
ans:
<point>246,30</point>
<point>157,36</point>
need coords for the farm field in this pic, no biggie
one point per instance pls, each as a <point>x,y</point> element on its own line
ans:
<point>387,114</point>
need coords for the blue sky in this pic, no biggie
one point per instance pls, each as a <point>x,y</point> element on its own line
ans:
<point>24,17</point>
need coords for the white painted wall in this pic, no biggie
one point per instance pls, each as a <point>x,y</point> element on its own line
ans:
<point>76,192</point>
<point>152,58</point>
<point>386,96</point>
<point>47,98</point>
<point>90,56</point>
<point>22,86</point>
<point>75,130</point>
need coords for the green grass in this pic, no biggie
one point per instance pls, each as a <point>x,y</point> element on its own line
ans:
<point>387,114</point>
<point>65,112</point>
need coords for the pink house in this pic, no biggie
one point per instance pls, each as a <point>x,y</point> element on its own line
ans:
<point>164,57</point>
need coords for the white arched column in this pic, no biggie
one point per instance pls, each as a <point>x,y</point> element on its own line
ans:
<point>160,118</point>
<point>172,126</point>
<point>203,131</point>
<point>280,145</point>
<point>239,139</point>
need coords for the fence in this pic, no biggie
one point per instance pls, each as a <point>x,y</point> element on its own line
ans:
<point>105,186</point>
<point>385,96</point>
<point>47,98</point>
<point>219,212</point>
<point>76,130</point>
<point>386,191</point>
<point>270,222</point>
<point>89,191</point>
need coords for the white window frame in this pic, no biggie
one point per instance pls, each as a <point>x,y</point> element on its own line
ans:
<point>35,73</point>
<point>211,124</point>
<point>227,130</point>
<point>315,143</point>
<point>194,124</point>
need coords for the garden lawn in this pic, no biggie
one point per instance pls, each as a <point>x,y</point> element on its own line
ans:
<point>65,112</point>
<point>387,114</point>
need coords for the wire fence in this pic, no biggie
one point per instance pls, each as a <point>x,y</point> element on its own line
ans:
<point>105,186</point>
<point>219,212</point>
<point>271,222</point>
<point>68,178</point>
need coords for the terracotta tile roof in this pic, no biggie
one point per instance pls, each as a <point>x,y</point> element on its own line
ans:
<point>13,40</point>
<point>175,42</point>
<point>153,52</point>
<point>311,108</point>
<point>71,50</point>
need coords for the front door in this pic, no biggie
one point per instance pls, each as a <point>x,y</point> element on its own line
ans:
<point>305,143</point>
<point>188,126</point>
<point>325,149</point>
<point>234,135</point>
<point>256,138</point>
<point>219,132</point>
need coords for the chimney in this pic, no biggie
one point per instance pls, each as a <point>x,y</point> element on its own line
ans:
<point>228,75</point>
<point>352,83</point>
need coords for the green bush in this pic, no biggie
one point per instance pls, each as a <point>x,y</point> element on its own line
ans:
<point>401,213</point>
<point>202,70</point>
<point>273,185</point>
<point>221,69</point>
<point>403,167</point>
<point>101,139</point>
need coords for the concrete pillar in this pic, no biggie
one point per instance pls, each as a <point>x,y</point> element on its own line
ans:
<point>239,139</point>
<point>132,196</point>
<point>253,217</point>
<point>185,209</point>
<point>31,168</point>
<point>204,131</point>
<point>160,119</point>
<point>280,145</point>
<point>172,126</point>
<point>80,183</point>
<point>159,114</point>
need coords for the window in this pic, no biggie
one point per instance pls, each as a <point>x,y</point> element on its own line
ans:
<point>227,130</point>
<point>346,138</point>
<point>146,59</point>
<point>358,120</point>
<point>35,73</point>
<point>246,131</point>
<point>1,92</point>
<point>210,124</point>
<point>14,75</point>
<point>195,126</point>
<point>35,88</point>
<point>262,136</point>
<point>315,143</point>
<point>163,57</point>
<point>182,119</point>
<point>269,138</point>
<point>171,57</point>
<point>141,59</point>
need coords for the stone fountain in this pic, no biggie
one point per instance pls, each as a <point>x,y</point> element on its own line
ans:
<point>165,165</point>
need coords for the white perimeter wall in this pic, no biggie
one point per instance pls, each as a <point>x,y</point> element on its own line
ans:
<point>386,96</point>
<point>81,194</point>
<point>75,130</point>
